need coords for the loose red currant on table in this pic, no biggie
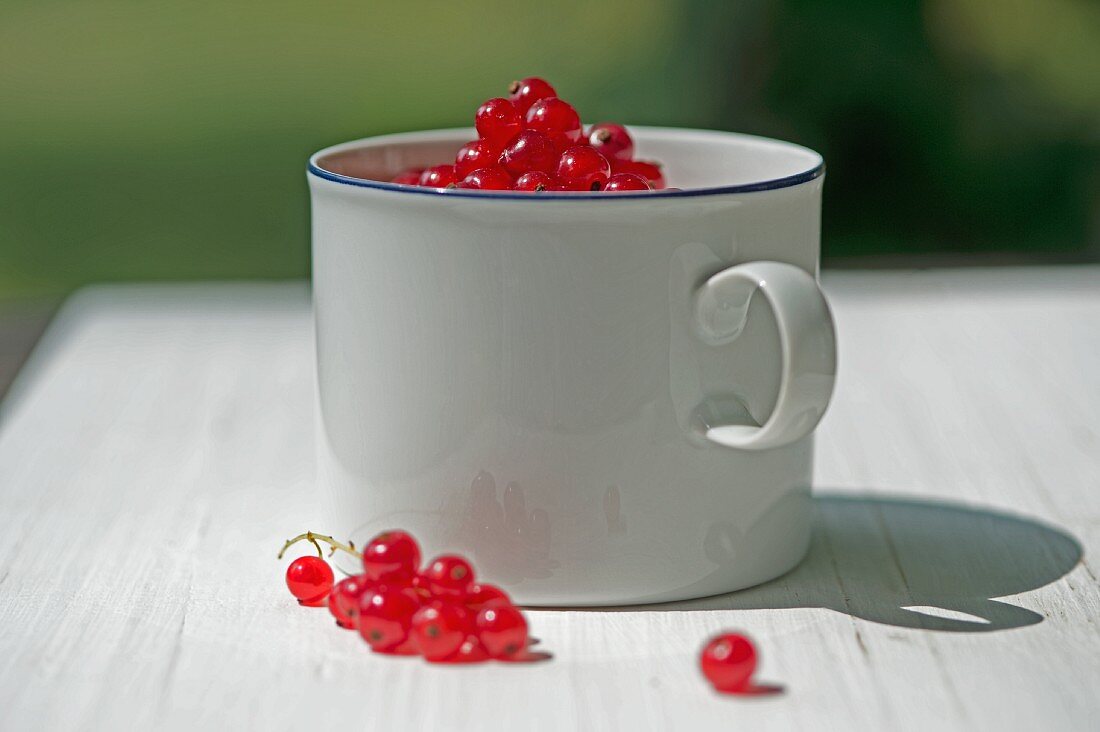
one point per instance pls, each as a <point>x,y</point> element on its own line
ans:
<point>650,171</point>
<point>556,119</point>
<point>392,557</point>
<point>728,661</point>
<point>310,580</point>
<point>440,629</point>
<point>582,168</point>
<point>611,140</point>
<point>626,182</point>
<point>343,601</point>
<point>502,629</point>
<point>385,617</point>
<point>438,176</point>
<point>535,182</point>
<point>487,179</point>
<point>527,91</point>
<point>498,121</point>
<point>448,577</point>
<point>529,151</point>
<point>480,595</point>
<point>474,155</point>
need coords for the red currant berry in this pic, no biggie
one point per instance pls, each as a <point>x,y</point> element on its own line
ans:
<point>498,121</point>
<point>480,595</point>
<point>419,588</point>
<point>649,171</point>
<point>471,651</point>
<point>343,601</point>
<point>728,662</point>
<point>626,182</point>
<point>407,648</point>
<point>474,155</point>
<point>556,119</point>
<point>581,168</point>
<point>392,557</point>
<point>439,629</point>
<point>448,577</point>
<point>408,177</point>
<point>309,579</point>
<point>385,617</point>
<point>535,182</point>
<point>487,179</point>
<point>529,151</point>
<point>527,91</point>
<point>612,141</point>
<point>502,629</point>
<point>438,176</point>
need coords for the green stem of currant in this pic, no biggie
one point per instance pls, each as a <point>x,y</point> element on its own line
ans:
<point>313,538</point>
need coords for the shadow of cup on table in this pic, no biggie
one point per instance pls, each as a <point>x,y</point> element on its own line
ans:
<point>912,563</point>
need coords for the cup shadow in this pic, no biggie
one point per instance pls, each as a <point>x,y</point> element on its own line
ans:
<point>912,563</point>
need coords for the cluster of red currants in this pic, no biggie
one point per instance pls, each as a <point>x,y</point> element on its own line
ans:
<point>399,608</point>
<point>533,141</point>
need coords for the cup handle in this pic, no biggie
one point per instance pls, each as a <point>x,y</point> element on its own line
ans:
<point>807,340</point>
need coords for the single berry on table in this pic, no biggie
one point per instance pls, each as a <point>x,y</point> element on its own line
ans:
<point>529,151</point>
<point>438,176</point>
<point>487,179</point>
<point>474,155</point>
<point>343,600</point>
<point>557,119</point>
<point>481,594</point>
<point>502,629</point>
<point>309,579</point>
<point>439,629</point>
<point>498,121</point>
<point>582,168</point>
<point>408,177</point>
<point>448,577</point>
<point>649,170</point>
<point>392,557</point>
<point>626,182</point>
<point>525,92</point>
<point>385,617</point>
<point>611,140</point>
<point>728,661</point>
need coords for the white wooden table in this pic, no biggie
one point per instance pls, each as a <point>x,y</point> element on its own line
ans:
<point>157,448</point>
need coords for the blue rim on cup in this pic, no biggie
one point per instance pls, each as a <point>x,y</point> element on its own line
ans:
<point>316,168</point>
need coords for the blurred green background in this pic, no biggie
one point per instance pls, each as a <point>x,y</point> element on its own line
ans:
<point>147,139</point>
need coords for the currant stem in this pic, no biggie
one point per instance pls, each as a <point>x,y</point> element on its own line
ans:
<point>313,538</point>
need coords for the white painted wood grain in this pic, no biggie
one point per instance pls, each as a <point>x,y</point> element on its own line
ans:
<point>158,447</point>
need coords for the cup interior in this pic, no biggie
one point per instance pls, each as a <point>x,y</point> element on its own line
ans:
<point>692,159</point>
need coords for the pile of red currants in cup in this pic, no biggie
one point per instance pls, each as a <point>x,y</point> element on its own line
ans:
<point>400,608</point>
<point>533,141</point>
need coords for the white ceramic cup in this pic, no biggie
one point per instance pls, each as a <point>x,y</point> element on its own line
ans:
<point>598,398</point>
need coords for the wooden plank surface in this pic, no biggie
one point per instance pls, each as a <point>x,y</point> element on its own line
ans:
<point>158,447</point>
<point>21,325</point>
